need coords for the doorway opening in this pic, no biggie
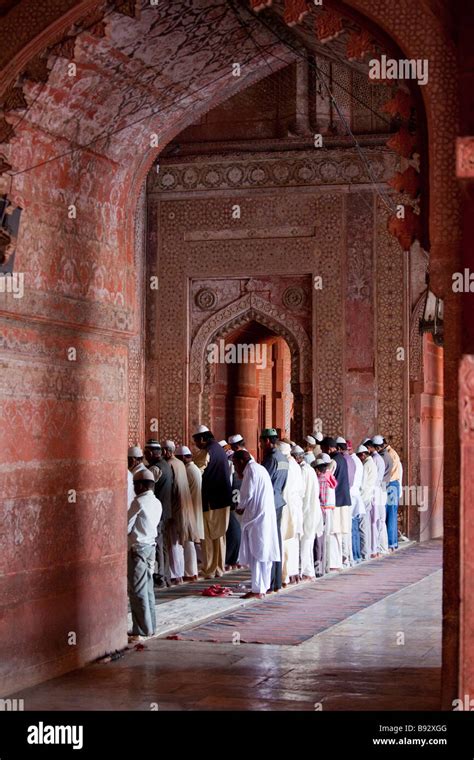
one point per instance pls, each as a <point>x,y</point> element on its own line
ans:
<point>250,384</point>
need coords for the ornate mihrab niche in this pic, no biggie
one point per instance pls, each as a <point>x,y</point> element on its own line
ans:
<point>291,240</point>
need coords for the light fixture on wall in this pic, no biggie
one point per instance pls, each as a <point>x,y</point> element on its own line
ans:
<point>9,226</point>
<point>432,317</point>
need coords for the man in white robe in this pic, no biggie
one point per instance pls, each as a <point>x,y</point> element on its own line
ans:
<point>313,523</point>
<point>259,546</point>
<point>367,492</point>
<point>183,559</point>
<point>379,528</point>
<point>359,534</point>
<point>292,518</point>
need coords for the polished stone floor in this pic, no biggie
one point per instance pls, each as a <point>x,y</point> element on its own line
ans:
<point>385,657</point>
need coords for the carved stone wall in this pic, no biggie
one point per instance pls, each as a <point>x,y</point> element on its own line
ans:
<point>305,217</point>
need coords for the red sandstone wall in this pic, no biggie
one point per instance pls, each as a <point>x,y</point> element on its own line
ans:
<point>64,423</point>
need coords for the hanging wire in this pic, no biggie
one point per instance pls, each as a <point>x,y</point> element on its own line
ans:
<point>391,207</point>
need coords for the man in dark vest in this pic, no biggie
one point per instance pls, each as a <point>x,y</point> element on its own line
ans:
<point>163,475</point>
<point>216,501</point>
<point>277,467</point>
<point>342,518</point>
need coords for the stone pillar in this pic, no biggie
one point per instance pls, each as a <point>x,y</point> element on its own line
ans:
<point>466,424</point>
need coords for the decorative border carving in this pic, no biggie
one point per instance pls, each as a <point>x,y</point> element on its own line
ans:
<point>252,307</point>
<point>302,168</point>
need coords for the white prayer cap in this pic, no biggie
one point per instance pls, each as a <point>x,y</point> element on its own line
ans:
<point>143,474</point>
<point>285,448</point>
<point>320,461</point>
<point>135,451</point>
<point>309,457</point>
<point>235,438</point>
<point>340,439</point>
<point>309,439</point>
<point>169,445</point>
<point>201,429</point>
<point>183,451</point>
<point>326,458</point>
<point>138,467</point>
<point>378,440</point>
<point>366,439</point>
<point>223,443</point>
<point>297,450</point>
<point>318,436</point>
<point>361,449</point>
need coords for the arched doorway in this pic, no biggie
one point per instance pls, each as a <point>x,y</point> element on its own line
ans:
<point>251,384</point>
<point>93,309</point>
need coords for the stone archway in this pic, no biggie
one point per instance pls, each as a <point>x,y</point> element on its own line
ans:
<point>251,307</point>
<point>415,27</point>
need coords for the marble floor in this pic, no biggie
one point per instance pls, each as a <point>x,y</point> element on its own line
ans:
<point>385,657</point>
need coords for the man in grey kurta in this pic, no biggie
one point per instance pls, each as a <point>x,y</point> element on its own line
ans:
<point>277,467</point>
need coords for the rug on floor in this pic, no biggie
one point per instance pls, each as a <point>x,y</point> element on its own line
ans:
<point>294,617</point>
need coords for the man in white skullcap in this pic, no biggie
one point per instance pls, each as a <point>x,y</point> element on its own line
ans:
<point>318,437</point>
<point>163,474</point>
<point>183,559</point>
<point>313,523</point>
<point>194,475</point>
<point>327,500</point>
<point>260,540</point>
<point>380,499</point>
<point>292,518</point>
<point>135,459</point>
<point>236,442</point>
<point>359,537</point>
<point>216,502</point>
<point>200,456</point>
<point>144,516</point>
<point>234,532</point>
<point>341,445</point>
<point>368,489</point>
<point>381,448</point>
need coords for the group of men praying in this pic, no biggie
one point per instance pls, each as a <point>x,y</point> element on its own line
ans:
<point>303,512</point>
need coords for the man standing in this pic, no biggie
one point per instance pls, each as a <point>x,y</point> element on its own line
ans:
<point>379,445</point>
<point>135,459</point>
<point>276,464</point>
<point>143,518</point>
<point>313,525</point>
<point>194,476</point>
<point>216,501</point>
<point>342,527</point>
<point>368,494</point>
<point>360,547</point>
<point>327,500</point>
<point>341,446</point>
<point>380,500</point>
<point>259,547</point>
<point>292,518</point>
<point>183,534</point>
<point>393,496</point>
<point>201,456</point>
<point>163,491</point>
